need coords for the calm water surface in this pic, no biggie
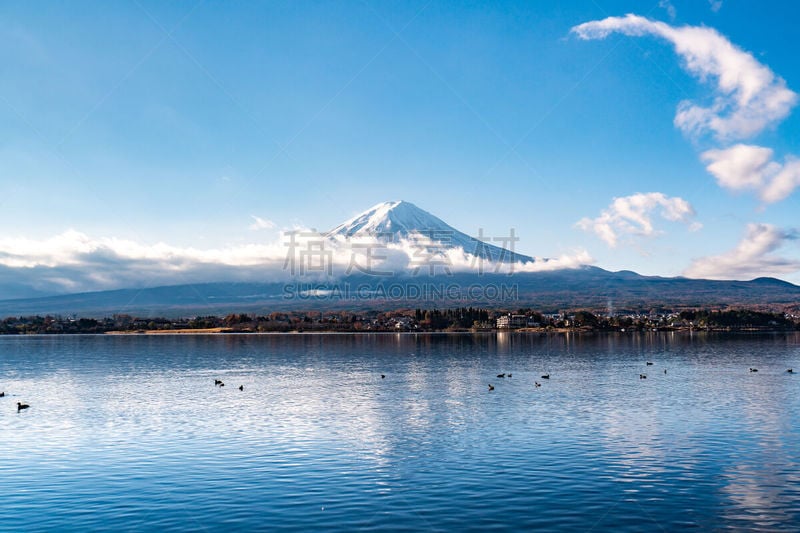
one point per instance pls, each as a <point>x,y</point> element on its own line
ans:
<point>130,433</point>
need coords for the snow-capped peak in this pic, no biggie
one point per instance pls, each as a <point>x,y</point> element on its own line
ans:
<point>401,220</point>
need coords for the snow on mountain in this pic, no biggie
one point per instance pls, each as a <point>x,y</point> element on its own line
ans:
<point>403,221</point>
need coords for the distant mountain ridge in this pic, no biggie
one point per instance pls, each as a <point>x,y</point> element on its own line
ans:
<point>586,287</point>
<point>566,288</point>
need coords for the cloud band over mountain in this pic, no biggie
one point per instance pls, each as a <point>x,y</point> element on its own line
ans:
<point>76,262</point>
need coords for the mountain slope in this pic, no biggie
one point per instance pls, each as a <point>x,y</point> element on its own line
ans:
<point>588,287</point>
<point>400,220</point>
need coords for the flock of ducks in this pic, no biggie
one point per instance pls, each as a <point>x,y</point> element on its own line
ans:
<point>21,406</point>
<point>219,383</point>
<point>641,376</point>
<point>536,383</point>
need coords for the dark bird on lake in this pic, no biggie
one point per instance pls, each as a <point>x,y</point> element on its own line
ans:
<point>241,387</point>
<point>2,394</point>
<point>753,370</point>
<point>383,376</point>
<point>789,371</point>
<point>537,383</point>
<point>21,406</point>
<point>509,374</point>
<point>501,375</point>
<point>642,376</point>
<point>649,363</point>
<point>217,382</point>
<point>546,376</point>
<point>665,370</point>
<point>491,387</point>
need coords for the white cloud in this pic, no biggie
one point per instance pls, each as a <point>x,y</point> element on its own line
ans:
<point>75,248</point>
<point>748,167</point>
<point>754,256</point>
<point>76,262</point>
<point>260,223</point>
<point>632,215</point>
<point>784,182</point>
<point>576,259</point>
<point>406,254</point>
<point>748,96</point>
<point>740,167</point>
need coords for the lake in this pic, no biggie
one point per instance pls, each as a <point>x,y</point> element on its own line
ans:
<point>130,432</point>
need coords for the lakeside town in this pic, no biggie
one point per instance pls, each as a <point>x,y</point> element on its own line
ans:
<point>462,319</point>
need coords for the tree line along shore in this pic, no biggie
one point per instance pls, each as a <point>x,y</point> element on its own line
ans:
<point>416,320</point>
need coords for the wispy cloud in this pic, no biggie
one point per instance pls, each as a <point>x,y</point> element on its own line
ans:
<point>260,223</point>
<point>748,167</point>
<point>575,259</point>
<point>75,262</point>
<point>754,256</point>
<point>633,215</point>
<point>715,5</point>
<point>748,96</point>
<point>668,7</point>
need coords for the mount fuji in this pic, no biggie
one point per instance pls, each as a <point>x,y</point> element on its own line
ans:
<point>403,221</point>
<point>545,284</point>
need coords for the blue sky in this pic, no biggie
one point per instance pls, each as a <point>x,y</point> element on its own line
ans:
<point>178,122</point>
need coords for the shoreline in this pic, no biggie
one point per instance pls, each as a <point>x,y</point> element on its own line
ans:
<point>199,331</point>
<point>522,331</point>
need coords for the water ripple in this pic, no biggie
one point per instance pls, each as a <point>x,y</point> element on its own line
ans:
<point>131,433</point>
